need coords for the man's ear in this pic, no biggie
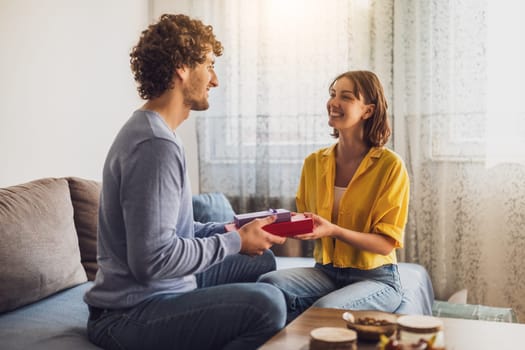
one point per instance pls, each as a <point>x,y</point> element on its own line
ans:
<point>182,72</point>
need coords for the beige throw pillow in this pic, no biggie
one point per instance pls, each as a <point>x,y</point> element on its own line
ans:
<point>39,252</point>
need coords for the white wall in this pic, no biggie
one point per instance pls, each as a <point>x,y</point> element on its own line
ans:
<point>65,84</point>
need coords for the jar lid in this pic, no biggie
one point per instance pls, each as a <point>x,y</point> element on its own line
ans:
<point>333,335</point>
<point>420,323</point>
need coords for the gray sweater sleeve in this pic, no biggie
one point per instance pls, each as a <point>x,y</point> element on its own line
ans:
<point>209,229</point>
<point>156,205</point>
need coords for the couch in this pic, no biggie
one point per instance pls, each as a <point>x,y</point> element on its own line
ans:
<point>48,260</point>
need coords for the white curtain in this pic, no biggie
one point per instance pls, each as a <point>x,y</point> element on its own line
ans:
<point>269,111</point>
<point>467,210</point>
<point>448,106</point>
<point>506,74</point>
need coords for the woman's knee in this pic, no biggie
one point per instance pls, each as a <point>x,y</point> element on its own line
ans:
<point>271,277</point>
<point>384,299</point>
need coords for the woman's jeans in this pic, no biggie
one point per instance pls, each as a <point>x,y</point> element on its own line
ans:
<point>332,287</point>
<point>224,312</point>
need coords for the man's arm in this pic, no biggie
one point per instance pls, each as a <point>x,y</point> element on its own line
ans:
<point>160,243</point>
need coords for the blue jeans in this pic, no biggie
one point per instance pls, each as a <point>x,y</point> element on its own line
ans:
<point>332,287</point>
<point>224,312</point>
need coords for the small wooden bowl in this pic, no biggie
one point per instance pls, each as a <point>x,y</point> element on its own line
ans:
<point>386,323</point>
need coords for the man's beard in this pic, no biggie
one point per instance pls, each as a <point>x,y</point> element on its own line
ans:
<point>190,94</point>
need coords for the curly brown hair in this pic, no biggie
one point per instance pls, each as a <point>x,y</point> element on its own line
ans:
<point>377,127</point>
<point>174,41</point>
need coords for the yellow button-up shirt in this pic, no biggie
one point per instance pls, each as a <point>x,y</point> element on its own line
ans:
<point>375,201</point>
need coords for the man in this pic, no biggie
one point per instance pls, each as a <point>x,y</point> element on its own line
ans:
<point>165,281</point>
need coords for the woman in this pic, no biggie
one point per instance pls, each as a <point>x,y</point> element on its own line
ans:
<point>357,193</point>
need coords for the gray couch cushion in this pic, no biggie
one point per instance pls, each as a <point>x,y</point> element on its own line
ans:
<point>85,195</point>
<point>39,252</point>
<point>54,323</point>
<point>212,207</point>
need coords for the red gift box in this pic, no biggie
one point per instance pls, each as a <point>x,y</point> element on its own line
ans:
<point>298,224</point>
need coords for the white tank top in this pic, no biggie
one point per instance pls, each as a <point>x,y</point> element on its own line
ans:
<point>338,193</point>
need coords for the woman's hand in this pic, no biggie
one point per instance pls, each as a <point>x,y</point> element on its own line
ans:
<point>373,242</point>
<point>322,228</point>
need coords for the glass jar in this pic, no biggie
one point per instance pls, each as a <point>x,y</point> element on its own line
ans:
<point>422,330</point>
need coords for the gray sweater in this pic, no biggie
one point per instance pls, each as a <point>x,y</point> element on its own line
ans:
<point>148,243</point>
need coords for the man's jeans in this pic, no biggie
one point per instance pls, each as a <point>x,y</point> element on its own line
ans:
<point>343,288</point>
<point>224,312</point>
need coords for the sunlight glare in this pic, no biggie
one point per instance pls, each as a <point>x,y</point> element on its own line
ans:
<point>506,76</point>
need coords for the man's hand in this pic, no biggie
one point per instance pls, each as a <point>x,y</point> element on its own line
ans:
<point>255,240</point>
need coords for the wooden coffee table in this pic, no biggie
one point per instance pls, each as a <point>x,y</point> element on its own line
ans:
<point>460,334</point>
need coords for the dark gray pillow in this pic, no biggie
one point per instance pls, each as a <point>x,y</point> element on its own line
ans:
<point>85,196</point>
<point>39,252</point>
<point>212,207</point>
